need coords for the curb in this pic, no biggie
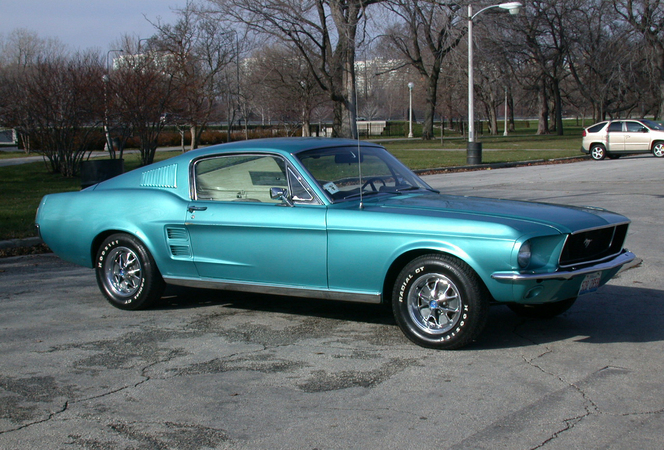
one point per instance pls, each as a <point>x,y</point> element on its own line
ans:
<point>20,243</point>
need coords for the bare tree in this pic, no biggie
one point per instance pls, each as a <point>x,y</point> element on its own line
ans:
<point>56,102</point>
<point>426,34</point>
<point>200,49</point>
<point>646,17</point>
<point>325,32</point>
<point>287,84</point>
<point>607,64</point>
<point>144,93</point>
<point>23,47</point>
<point>541,42</point>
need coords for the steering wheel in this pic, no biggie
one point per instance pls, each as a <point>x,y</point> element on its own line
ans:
<point>371,181</point>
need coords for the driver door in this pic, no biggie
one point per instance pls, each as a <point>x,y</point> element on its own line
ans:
<point>239,233</point>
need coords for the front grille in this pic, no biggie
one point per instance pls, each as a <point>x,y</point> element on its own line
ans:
<point>591,246</point>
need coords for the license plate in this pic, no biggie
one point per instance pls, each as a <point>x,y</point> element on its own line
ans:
<point>590,283</point>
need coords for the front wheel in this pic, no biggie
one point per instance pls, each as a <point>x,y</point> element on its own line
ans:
<point>598,152</point>
<point>658,149</point>
<point>542,311</point>
<point>439,302</point>
<point>126,273</point>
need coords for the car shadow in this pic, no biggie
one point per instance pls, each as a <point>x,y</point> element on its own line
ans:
<point>183,298</point>
<point>614,314</point>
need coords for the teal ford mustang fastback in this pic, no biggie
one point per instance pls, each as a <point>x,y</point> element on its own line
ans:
<point>331,219</point>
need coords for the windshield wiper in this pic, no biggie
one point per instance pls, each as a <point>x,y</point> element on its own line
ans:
<point>409,188</point>
<point>363,194</point>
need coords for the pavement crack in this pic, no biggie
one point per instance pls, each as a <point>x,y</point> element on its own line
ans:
<point>51,416</point>
<point>590,407</point>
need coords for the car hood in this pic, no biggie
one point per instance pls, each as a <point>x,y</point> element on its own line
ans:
<point>564,219</point>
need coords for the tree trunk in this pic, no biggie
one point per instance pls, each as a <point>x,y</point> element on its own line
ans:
<point>558,102</point>
<point>430,106</point>
<point>193,131</point>
<point>543,121</point>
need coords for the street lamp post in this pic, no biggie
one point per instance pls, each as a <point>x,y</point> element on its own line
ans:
<point>106,79</point>
<point>505,131</point>
<point>410,109</point>
<point>474,151</point>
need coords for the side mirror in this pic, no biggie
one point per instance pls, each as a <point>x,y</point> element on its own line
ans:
<point>280,193</point>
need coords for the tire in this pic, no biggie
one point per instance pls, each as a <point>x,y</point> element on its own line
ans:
<point>542,311</point>
<point>127,274</point>
<point>447,319</point>
<point>597,152</point>
<point>658,149</point>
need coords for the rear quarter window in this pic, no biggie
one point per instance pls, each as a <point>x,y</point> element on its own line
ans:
<point>597,128</point>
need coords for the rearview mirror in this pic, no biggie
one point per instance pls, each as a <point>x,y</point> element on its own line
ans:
<point>347,158</point>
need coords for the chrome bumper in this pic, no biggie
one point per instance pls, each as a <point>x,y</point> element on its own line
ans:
<point>618,261</point>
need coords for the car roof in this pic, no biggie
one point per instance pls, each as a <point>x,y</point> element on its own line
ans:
<point>280,145</point>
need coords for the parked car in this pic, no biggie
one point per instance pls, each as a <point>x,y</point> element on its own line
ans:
<point>614,138</point>
<point>331,219</point>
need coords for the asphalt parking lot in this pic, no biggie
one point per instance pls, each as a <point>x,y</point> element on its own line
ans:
<point>227,370</point>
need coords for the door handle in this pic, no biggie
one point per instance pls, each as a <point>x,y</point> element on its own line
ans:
<point>193,208</point>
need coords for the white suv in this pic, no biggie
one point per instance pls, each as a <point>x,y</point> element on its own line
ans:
<point>615,138</point>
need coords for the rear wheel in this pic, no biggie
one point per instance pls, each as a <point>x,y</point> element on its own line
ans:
<point>598,152</point>
<point>127,274</point>
<point>439,302</point>
<point>658,149</point>
<point>542,311</point>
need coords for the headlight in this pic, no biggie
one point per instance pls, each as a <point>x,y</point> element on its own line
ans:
<point>525,255</point>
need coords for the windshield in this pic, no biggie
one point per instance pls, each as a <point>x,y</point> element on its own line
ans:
<point>653,125</point>
<point>337,172</point>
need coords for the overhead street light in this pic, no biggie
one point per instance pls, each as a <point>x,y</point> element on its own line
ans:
<point>474,151</point>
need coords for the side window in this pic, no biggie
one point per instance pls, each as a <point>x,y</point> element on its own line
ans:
<point>239,178</point>
<point>635,127</point>
<point>615,126</point>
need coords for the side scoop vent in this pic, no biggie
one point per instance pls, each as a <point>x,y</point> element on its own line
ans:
<point>178,242</point>
<point>164,177</point>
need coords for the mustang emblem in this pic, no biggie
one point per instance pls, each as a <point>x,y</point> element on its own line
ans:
<point>587,242</point>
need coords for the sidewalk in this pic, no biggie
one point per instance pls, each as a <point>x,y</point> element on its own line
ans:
<point>94,154</point>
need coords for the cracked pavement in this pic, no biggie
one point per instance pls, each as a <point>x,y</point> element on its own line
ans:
<point>217,370</point>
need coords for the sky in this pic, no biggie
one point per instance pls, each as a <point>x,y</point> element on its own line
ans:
<point>83,24</point>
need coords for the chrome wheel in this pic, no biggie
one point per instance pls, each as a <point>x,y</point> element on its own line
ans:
<point>597,152</point>
<point>123,272</point>
<point>439,302</point>
<point>658,149</point>
<point>127,274</point>
<point>435,304</point>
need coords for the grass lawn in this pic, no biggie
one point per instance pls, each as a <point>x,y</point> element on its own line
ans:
<point>23,186</point>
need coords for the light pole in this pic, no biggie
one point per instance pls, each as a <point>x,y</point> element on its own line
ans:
<point>106,79</point>
<point>410,109</point>
<point>474,152</point>
<point>505,132</point>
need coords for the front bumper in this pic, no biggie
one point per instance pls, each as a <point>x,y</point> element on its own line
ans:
<point>617,262</point>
